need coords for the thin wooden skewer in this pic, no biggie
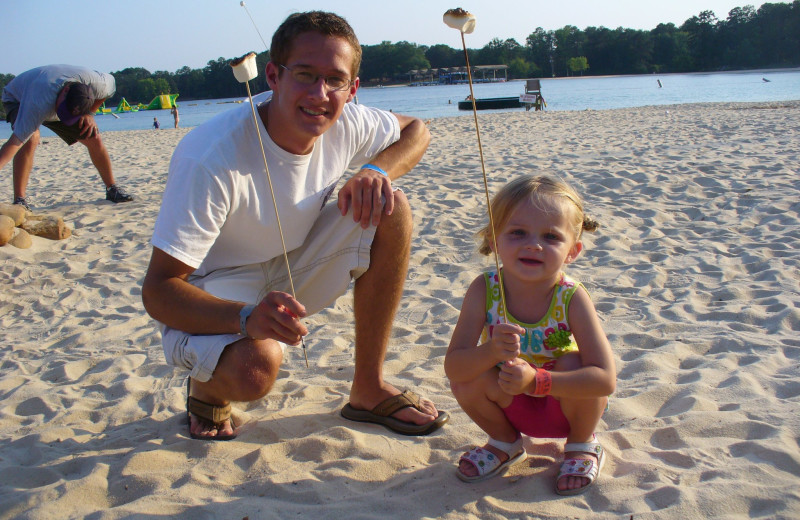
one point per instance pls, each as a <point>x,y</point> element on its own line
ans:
<point>269,178</point>
<point>485,183</point>
<point>254,24</point>
<point>275,205</point>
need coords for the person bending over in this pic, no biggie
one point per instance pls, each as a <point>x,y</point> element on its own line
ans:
<point>63,98</point>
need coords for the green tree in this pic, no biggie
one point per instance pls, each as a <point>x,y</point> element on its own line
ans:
<point>637,46</point>
<point>407,56</point>
<point>498,52</point>
<point>670,49</point>
<point>440,56</point>
<point>145,91</point>
<point>519,69</point>
<point>569,41</point>
<point>161,86</point>
<point>219,80</point>
<point>738,36</point>
<point>127,85</point>
<point>190,83</point>
<point>539,47</point>
<point>578,64</point>
<point>703,46</point>
<point>168,86</point>
<point>4,80</point>
<point>779,27</point>
<point>386,61</point>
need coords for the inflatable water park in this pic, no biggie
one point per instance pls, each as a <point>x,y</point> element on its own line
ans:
<point>160,102</point>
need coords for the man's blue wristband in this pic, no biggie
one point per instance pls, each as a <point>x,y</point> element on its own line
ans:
<point>369,166</point>
<point>245,313</point>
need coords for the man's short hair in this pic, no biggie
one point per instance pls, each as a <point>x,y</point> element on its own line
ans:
<point>78,102</point>
<point>326,24</point>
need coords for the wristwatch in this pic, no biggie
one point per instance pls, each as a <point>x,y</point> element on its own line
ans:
<point>246,311</point>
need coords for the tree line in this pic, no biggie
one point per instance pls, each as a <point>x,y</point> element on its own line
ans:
<point>748,38</point>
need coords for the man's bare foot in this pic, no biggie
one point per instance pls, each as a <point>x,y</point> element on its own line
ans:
<point>401,412</point>
<point>201,428</point>
<point>208,420</point>
<point>369,400</point>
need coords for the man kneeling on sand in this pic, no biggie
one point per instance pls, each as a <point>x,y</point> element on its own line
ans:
<point>217,280</point>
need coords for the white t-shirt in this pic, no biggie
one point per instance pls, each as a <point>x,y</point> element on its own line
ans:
<point>217,211</point>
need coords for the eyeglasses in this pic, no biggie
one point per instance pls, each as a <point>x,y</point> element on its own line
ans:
<point>334,83</point>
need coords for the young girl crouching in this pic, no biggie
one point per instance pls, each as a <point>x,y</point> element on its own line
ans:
<point>544,368</point>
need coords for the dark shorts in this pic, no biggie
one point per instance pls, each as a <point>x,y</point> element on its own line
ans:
<point>11,110</point>
<point>68,134</point>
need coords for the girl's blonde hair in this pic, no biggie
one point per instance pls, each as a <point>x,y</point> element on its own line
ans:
<point>542,192</point>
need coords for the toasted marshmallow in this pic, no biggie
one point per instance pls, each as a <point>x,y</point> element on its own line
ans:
<point>245,68</point>
<point>460,19</point>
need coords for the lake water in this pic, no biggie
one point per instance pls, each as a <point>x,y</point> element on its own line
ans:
<point>560,94</point>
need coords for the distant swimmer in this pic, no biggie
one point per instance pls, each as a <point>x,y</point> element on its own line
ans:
<point>765,80</point>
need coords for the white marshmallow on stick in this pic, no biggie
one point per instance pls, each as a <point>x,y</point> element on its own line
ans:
<point>465,22</point>
<point>460,19</point>
<point>245,68</point>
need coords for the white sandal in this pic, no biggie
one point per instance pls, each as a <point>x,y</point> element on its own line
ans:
<point>585,468</point>
<point>488,464</point>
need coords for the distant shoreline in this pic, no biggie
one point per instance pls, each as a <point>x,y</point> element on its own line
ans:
<point>652,74</point>
<point>724,105</point>
<point>648,75</point>
<point>602,92</point>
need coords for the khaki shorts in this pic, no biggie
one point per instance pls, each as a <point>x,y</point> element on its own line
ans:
<point>68,134</point>
<point>336,251</point>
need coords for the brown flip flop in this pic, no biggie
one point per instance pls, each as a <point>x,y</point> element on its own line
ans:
<point>381,414</point>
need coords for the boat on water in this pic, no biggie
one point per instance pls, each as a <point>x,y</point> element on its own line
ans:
<point>491,103</point>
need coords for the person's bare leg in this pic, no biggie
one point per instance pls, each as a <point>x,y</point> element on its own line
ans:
<point>100,158</point>
<point>23,164</point>
<point>583,416</point>
<point>376,299</point>
<point>245,372</point>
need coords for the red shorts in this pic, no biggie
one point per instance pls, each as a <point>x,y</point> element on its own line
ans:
<point>539,417</point>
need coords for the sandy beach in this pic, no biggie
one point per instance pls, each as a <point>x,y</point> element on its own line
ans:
<point>694,273</point>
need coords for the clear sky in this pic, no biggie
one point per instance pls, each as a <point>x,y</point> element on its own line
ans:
<point>110,35</point>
